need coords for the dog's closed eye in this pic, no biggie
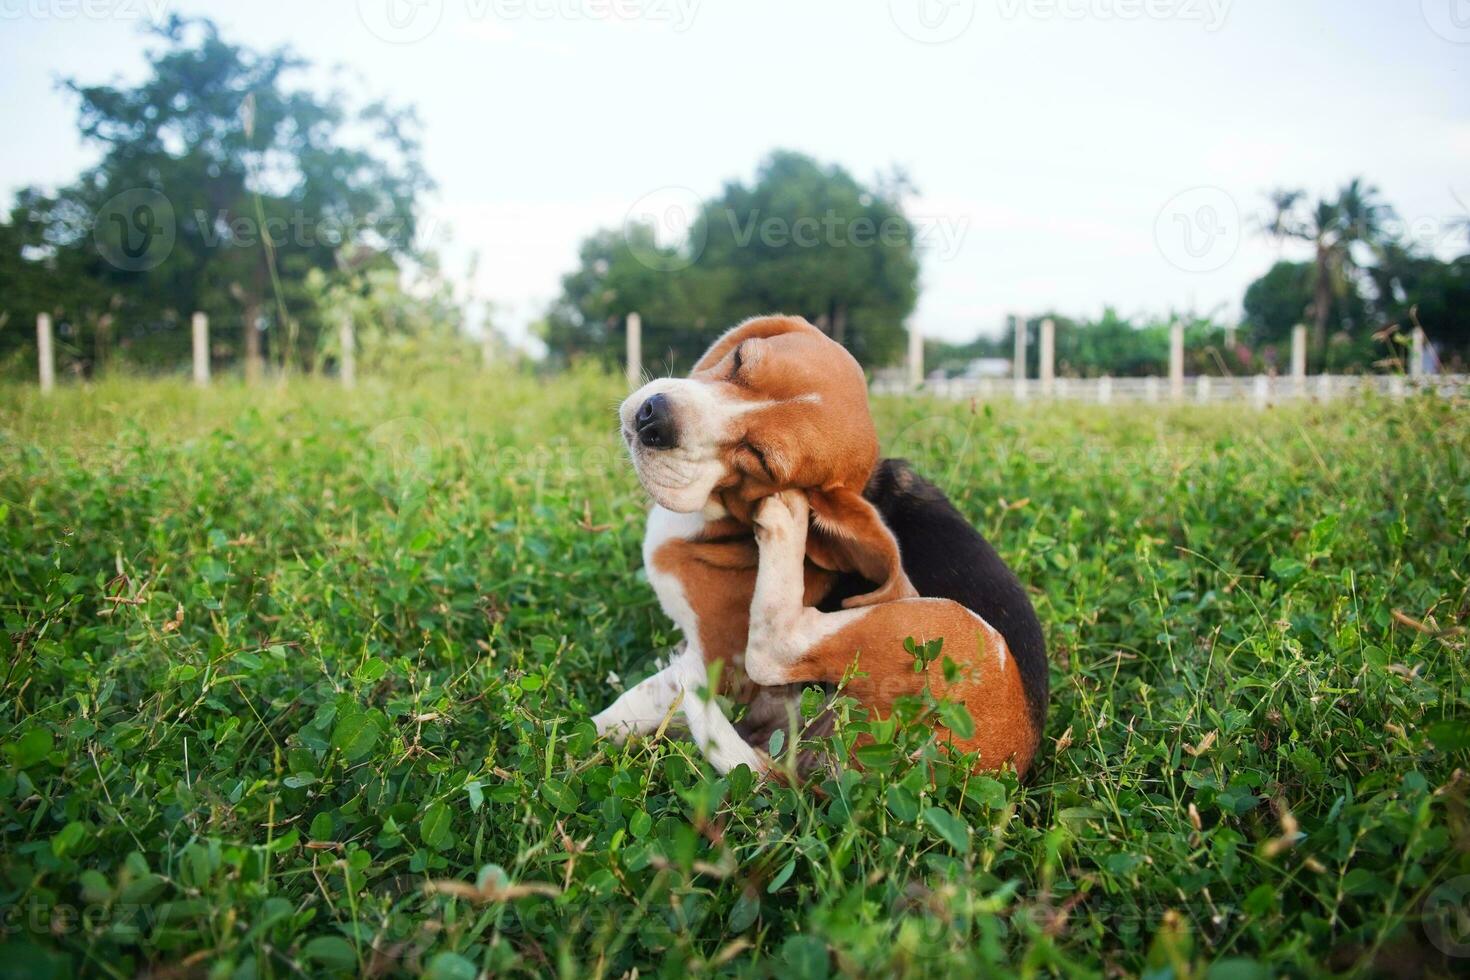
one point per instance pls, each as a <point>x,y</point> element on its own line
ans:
<point>752,459</point>
<point>738,362</point>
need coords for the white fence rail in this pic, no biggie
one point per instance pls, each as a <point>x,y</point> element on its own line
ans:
<point>1260,390</point>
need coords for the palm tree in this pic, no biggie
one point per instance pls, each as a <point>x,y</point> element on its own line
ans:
<point>1394,265</point>
<point>1357,217</point>
<point>1460,223</point>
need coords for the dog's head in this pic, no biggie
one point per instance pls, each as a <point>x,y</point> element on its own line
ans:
<point>774,404</point>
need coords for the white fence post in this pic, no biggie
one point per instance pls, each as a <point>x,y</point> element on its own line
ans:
<point>199,328</point>
<point>1261,393</point>
<point>635,350</point>
<point>1048,354</point>
<point>347,339</point>
<point>1176,361</point>
<point>1151,389</point>
<point>1018,367</point>
<point>1202,389</point>
<point>916,356</point>
<point>1324,386</point>
<point>1018,360</point>
<point>1105,390</point>
<point>1299,359</point>
<point>45,355</point>
<point>1416,353</point>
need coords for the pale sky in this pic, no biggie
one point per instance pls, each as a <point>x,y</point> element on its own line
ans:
<point>1069,154</point>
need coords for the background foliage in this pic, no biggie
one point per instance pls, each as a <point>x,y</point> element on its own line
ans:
<point>804,239</point>
<point>255,185</point>
<point>273,187</point>
<point>279,663</point>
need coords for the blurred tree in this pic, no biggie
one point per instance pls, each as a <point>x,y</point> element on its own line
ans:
<point>626,271</point>
<point>402,328</point>
<point>76,286</point>
<point>812,240</point>
<point>220,188</point>
<point>1413,289</point>
<point>1375,289</point>
<point>1357,217</point>
<point>1115,345</point>
<point>1111,345</point>
<point>803,239</point>
<point>1277,301</point>
<point>952,358</point>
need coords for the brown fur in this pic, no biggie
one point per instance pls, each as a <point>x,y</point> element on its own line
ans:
<point>717,571</point>
<point>870,654</point>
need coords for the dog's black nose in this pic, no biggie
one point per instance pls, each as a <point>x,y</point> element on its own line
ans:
<point>655,423</point>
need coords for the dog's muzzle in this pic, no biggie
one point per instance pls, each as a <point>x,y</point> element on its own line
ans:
<point>655,424</point>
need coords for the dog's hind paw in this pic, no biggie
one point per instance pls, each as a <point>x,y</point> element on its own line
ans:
<point>782,517</point>
<point>723,758</point>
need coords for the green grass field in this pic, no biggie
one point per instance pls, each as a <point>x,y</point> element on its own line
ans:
<point>280,664</point>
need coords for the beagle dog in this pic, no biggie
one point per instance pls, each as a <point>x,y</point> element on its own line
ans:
<point>757,464</point>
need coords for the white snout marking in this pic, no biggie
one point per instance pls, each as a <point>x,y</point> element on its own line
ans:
<point>683,477</point>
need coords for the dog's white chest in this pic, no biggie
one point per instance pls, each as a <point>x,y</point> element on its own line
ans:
<point>664,526</point>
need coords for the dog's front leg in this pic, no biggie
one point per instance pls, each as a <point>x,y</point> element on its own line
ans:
<point>644,707</point>
<point>641,710</point>
<point>708,726</point>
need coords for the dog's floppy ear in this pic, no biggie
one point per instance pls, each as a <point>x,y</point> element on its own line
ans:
<point>849,536</point>
<point>754,329</point>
